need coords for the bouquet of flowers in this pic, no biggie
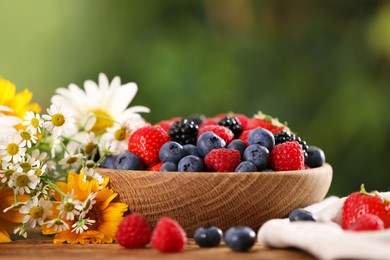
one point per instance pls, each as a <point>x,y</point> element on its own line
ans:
<point>48,161</point>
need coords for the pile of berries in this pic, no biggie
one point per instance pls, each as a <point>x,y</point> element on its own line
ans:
<point>169,237</point>
<point>225,143</point>
<point>362,211</point>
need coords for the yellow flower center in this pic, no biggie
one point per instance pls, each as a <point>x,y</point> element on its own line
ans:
<point>26,167</point>
<point>12,149</point>
<point>25,136</point>
<point>22,181</point>
<point>88,178</point>
<point>35,122</point>
<point>38,172</point>
<point>8,173</point>
<point>89,147</point>
<point>94,214</point>
<point>103,121</point>
<point>58,120</point>
<point>71,160</point>
<point>120,134</point>
<point>58,222</point>
<point>69,207</point>
<point>36,212</point>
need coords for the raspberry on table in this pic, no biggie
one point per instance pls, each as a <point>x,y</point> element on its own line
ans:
<point>168,236</point>
<point>133,231</point>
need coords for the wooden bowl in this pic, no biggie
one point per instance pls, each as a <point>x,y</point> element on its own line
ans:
<point>197,199</point>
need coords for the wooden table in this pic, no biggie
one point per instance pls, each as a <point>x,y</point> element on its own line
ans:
<point>38,246</point>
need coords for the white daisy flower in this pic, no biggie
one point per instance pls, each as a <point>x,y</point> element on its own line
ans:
<point>91,174</point>
<point>59,121</point>
<point>8,170</point>
<point>11,148</point>
<point>73,161</point>
<point>23,182</point>
<point>28,163</point>
<point>7,123</point>
<point>69,206</point>
<point>81,225</point>
<point>98,106</point>
<point>58,225</point>
<point>33,122</point>
<point>28,139</point>
<point>82,142</point>
<point>87,205</point>
<point>36,211</point>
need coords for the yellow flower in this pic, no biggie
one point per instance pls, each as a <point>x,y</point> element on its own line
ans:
<point>10,218</point>
<point>106,213</point>
<point>18,102</point>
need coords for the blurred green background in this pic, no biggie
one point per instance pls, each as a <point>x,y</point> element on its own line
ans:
<point>323,66</point>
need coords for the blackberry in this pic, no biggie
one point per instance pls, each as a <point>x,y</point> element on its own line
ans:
<point>198,119</point>
<point>184,131</point>
<point>233,124</point>
<point>284,136</point>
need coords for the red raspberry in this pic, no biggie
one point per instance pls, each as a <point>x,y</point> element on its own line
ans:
<point>222,160</point>
<point>244,136</point>
<point>287,156</point>
<point>166,124</point>
<point>146,143</point>
<point>168,236</point>
<point>256,122</point>
<point>208,121</point>
<point>361,203</point>
<point>225,133</point>
<point>156,167</point>
<point>133,231</point>
<point>367,222</point>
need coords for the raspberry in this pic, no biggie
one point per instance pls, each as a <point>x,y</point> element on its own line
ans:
<point>225,133</point>
<point>146,143</point>
<point>168,236</point>
<point>244,136</point>
<point>233,124</point>
<point>287,156</point>
<point>222,160</point>
<point>208,121</point>
<point>367,222</point>
<point>133,231</point>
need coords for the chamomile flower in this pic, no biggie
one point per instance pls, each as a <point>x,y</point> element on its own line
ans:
<point>28,139</point>
<point>59,121</point>
<point>82,225</point>
<point>73,161</point>
<point>91,174</point>
<point>33,122</point>
<point>23,182</point>
<point>21,230</point>
<point>28,163</point>
<point>69,206</point>
<point>99,106</point>
<point>36,211</point>
<point>87,205</point>
<point>57,224</point>
<point>11,148</point>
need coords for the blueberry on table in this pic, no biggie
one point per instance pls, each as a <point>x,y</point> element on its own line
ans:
<point>209,236</point>
<point>315,157</point>
<point>258,155</point>
<point>301,215</point>
<point>262,137</point>
<point>128,161</point>
<point>209,141</point>
<point>190,163</point>
<point>246,166</point>
<point>168,167</point>
<point>240,238</point>
<point>171,152</point>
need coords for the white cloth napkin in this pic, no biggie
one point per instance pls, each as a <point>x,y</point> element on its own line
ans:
<point>326,239</point>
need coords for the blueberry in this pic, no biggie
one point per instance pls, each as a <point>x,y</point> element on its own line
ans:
<point>190,149</point>
<point>190,163</point>
<point>315,157</point>
<point>108,162</point>
<point>171,152</point>
<point>168,167</point>
<point>246,166</point>
<point>301,215</point>
<point>209,236</point>
<point>128,161</point>
<point>209,141</point>
<point>258,155</point>
<point>238,145</point>
<point>240,239</point>
<point>262,137</point>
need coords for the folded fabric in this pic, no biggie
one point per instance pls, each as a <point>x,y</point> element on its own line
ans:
<point>326,239</point>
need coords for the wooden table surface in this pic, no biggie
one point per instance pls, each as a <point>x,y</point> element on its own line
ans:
<point>38,246</point>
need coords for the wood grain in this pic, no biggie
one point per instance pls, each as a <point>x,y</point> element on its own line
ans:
<point>41,247</point>
<point>221,199</point>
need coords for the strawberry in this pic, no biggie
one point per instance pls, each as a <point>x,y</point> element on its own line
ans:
<point>133,231</point>
<point>155,167</point>
<point>222,160</point>
<point>361,203</point>
<point>146,143</point>
<point>168,236</point>
<point>225,133</point>
<point>267,122</point>
<point>367,222</point>
<point>287,156</point>
<point>166,124</point>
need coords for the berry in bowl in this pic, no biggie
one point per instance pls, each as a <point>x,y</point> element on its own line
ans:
<point>224,171</point>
